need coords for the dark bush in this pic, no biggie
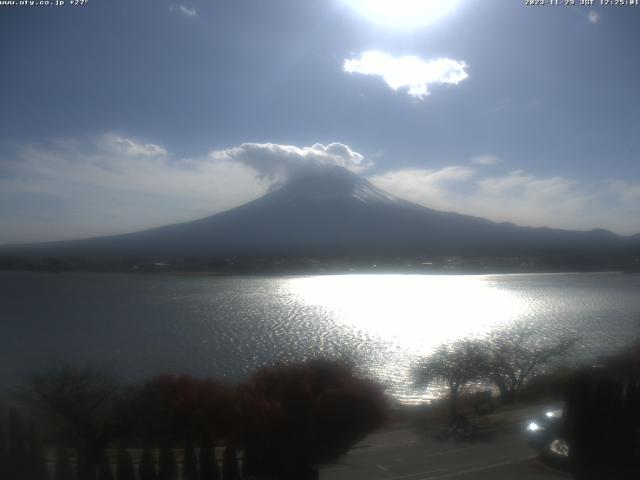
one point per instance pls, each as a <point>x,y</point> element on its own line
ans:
<point>304,414</point>
<point>174,409</point>
<point>602,418</point>
<point>546,386</point>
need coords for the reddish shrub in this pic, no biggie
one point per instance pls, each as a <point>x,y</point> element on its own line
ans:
<point>176,408</point>
<point>306,413</point>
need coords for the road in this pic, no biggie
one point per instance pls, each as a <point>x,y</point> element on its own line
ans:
<point>402,454</point>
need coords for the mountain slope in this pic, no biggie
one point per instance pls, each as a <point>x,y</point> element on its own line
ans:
<point>333,212</point>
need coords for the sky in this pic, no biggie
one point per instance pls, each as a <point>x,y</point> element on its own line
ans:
<point>120,115</point>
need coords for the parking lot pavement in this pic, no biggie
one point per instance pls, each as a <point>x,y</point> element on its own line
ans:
<point>402,454</point>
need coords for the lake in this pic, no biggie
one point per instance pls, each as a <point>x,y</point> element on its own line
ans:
<point>226,327</point>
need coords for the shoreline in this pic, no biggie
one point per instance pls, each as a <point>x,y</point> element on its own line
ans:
<point>352,272</point>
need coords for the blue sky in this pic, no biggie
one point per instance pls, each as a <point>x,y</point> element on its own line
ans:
<point>121,115</point>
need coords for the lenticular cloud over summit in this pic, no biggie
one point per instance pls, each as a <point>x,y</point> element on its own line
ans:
<point>280,162</point>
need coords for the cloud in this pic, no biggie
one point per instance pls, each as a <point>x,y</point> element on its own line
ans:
<point>432,188</point>
<point>486,160</point>
<point>132,148</point>
<point>111,183</point>
<point>593,16</point>
<point>279,162</point>
<point>408,72</point>
<point>183,10</point>
<point>626,191</point>
<point>520,197</point>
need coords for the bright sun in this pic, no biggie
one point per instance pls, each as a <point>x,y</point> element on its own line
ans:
<point>402,13</point>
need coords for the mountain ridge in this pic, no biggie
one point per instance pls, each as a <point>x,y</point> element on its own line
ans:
<point>333,212</point>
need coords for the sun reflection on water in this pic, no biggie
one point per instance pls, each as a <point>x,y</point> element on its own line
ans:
<point>417,312</point>
<point>408,316</point>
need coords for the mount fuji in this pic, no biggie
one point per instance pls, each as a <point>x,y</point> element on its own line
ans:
<point>334,212</point>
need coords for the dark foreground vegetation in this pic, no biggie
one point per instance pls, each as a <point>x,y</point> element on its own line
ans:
<point>80,424</point>
<point>602,418</point>
<point>284,421</point>
<point>505,361</point>
<point>600,402</point>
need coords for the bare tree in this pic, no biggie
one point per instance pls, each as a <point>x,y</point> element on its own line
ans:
<point>81,407</point>
<point>454,365</point>
<point>515,355</point>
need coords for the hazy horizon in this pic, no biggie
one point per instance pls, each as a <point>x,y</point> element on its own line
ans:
<point>277,187</point>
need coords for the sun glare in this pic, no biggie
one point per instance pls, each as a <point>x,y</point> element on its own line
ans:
<point>415,311</point>
<point>405,14</point>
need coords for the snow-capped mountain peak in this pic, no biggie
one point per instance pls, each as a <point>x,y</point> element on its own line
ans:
<point>333,183</point>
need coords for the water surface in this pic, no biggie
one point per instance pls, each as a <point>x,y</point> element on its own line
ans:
<point>228,326</point>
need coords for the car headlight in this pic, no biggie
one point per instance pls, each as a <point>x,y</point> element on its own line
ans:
<point>534,427</point>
